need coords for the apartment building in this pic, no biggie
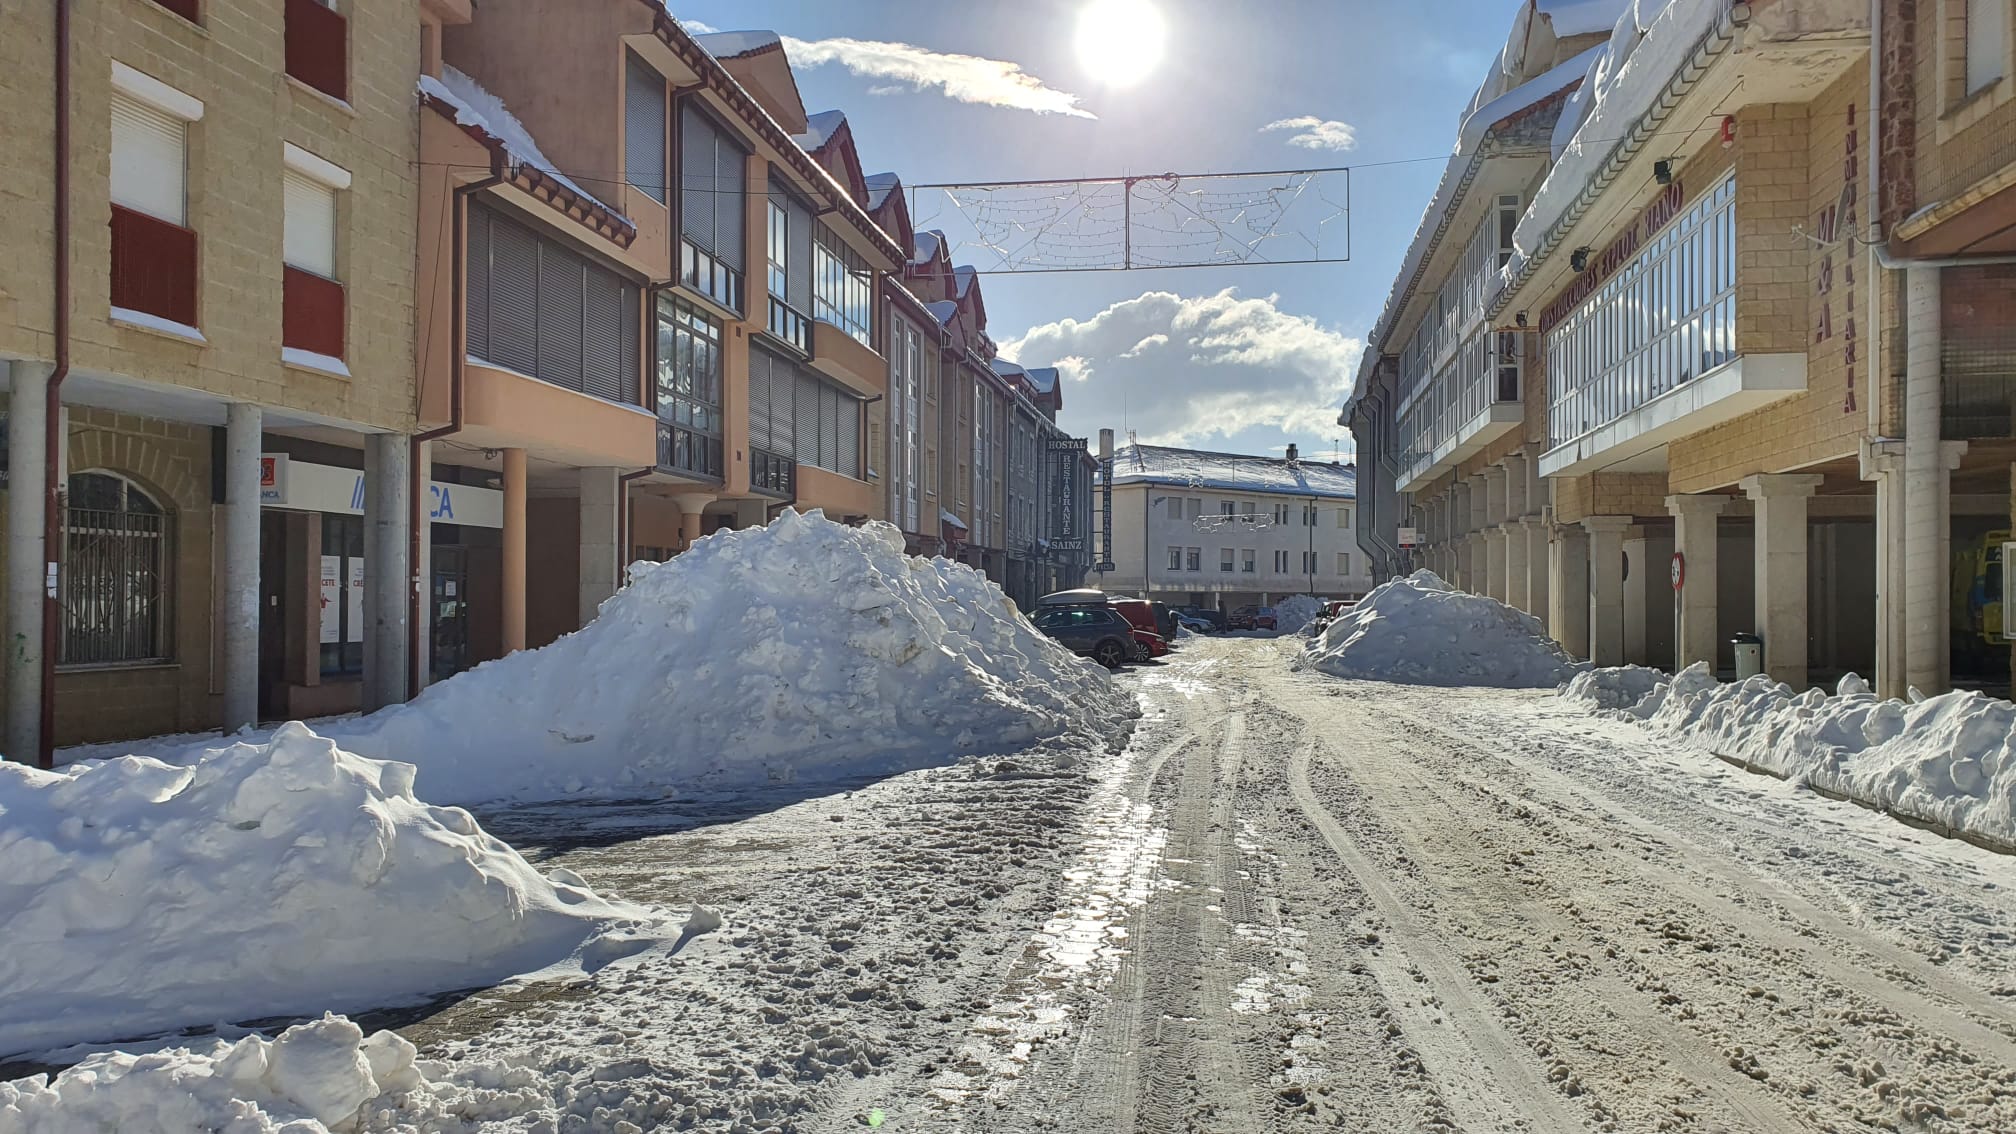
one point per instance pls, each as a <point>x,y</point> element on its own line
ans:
<point>216,277</point>
<point>1222,530</point>
<point>1759,300</point>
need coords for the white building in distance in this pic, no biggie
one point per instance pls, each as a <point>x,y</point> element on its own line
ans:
<point>1223,530</point>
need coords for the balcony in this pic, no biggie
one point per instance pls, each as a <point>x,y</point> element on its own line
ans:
<point>318,47</point>
<point>1635,440</point>
<point>682,452</point>
<point>153,266</point>
<point>773,475</point>
<point>312,313</point>
<point>790,326</point>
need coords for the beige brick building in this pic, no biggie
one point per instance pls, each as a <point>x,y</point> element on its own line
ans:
<point>1763,311</point>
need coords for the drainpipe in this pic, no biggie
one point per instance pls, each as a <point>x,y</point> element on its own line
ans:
<point>53,488</point>
<point>623,520</point>
<point>419,468</point>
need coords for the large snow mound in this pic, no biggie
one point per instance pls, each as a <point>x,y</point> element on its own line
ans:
<point>268,879</point>
<point>805,650</point>
<point>1421,631</point>
<point>311,1079</point>
<point>1291,614</point>
<point>1949,759</point>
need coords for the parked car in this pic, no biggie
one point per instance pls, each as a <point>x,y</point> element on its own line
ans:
<point>1206,614</point>
<point>1165,620</point>
<point>1096,632</point>
<point>1332,610</point>
<point>1139,612</point>
<point>1195,624</point>
<point>1252,618</point>
<point>1148,645</point>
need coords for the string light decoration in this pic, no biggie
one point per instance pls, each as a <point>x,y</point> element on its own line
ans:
<point>1166,220</point>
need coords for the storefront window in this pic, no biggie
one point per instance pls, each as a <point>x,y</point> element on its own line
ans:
<point>118,547</point>
<point>342,637</point>
<point>689,389</point>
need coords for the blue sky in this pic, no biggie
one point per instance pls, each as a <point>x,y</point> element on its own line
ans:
<point>1171,351</point>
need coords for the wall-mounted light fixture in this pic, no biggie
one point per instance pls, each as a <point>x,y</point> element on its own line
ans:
<point>1662,171</point>
<point>1579,259</point>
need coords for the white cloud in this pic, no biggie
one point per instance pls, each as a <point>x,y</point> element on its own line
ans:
<point>1184,370</point>
<point>966,78</point>
<point>695,27</point>
<point>1313,133</point>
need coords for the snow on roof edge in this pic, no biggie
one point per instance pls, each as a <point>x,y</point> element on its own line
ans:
<point>469,99</point>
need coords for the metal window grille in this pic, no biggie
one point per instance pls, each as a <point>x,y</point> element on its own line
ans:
<point>115,589</point>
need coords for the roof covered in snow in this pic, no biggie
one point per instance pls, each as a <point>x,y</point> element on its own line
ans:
<point>943,310</point>
<point>819,129</point>
<point>1044,378</point>
<point>928,244</point>
<point>1581,17</point>
<point>962,279</point>
<point>728,44</point>
<point>880,185</point>
<point>478,108</point>
<point>1198,468</point>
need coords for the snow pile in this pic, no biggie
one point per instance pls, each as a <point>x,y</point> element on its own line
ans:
<point>1420,630</point>
<point>805,650</point>
<point>1949,759</point>
<point>312,1078</point>
<point>1295,612</point>
<point>261,880</point>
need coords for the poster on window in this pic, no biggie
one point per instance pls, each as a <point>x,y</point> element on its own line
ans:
<point>332,599</point>
<point>355,632</point>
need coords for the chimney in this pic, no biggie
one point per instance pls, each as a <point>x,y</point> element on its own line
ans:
<point>1293,453</point>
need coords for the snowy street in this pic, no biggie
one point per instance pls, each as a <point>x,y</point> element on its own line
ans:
<point>1292,902</point>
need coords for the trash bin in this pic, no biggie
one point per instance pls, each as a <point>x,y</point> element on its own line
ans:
<point>1749,655</point>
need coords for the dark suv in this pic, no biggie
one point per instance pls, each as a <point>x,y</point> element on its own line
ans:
<point>1096,632</point>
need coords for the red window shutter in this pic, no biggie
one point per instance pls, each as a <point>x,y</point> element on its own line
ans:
<point>317,47</point>
<point>312,311</point>
<point>153,266</point>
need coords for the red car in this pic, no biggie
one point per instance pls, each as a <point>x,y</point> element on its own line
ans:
<point>1151,645</point>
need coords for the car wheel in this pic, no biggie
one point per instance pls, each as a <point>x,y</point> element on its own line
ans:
<point>1109,654</point>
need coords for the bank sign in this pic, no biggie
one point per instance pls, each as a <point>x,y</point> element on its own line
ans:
<point>327,488</point>
<point>1067,471</point>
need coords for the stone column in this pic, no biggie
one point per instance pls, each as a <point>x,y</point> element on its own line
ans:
<point>1695,531</point>
<point>1928,464</point>
<point>27,560</point>
<point>1536,533</point>
<point>599,526</point>
<point>1494,495</point>
<point>421,661</point>
<point>238,589</point>
<point>690,508</point>
<point>1780,534</point>
<point>1512,536</point>
<point>387,574</point>
<point>1494,562</point>
<point>1568,588</point>
<point>1883,462</point>
<point>1516,494</point>
<point>513,539</point>
<point>1606,588</point>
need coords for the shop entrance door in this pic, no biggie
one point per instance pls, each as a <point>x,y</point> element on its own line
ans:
<point>451,612</point>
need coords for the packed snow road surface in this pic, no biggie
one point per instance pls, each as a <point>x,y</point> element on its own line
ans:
<point>1391,907</point>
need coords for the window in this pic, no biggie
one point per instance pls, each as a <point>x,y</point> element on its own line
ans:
<point>538,307</point>
<point>1175,507</point>
<point>1194,506</point>
<point>1281,562</point>
<point>1281,514</point>
<point>312,301</point>
<point>1343,563</point>
<point>153,249</point>
<point>779,243</point>
<point>789,244</point>
<point>1308,563</point>
<point>689,389</point>
<point>1987,42</point>
<point>1246,561</point>
<point>1193,559</point>
<point>843,287</point>
<point>316,46</point>
<point>342,636</point>
<point>1224,559</point>
<point>1225,508</point>
<point>1344,517</point>
<point>1663,319</point>
<point>1175,559</point>
<point>795,414</point>
<point>118,555</point>
<point>931,470</point>
<point>644,128</point>
<point>711,196</point>
<point>183,8</point>
<point>906,365</point>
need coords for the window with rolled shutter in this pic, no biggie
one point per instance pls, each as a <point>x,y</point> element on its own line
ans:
<point>602,339</point>
<point>644,129</point>
<point>514,297</point>
<point>848,425</point>
<point>798,239</point>
<point>476,285</point>
<point>759,401</point>
<point>149,160</point>
<point>309,236</point>
<point>805,407</point>
<point>560,316</point>
<point>711,179</point>
<point>829,428</point>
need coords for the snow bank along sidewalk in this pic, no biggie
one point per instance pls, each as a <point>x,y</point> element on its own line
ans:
<point>278,878</point>
<point>1421,631</point>
<point>1293,613</point>
<point>1947,761</point>
<point>805,650</point>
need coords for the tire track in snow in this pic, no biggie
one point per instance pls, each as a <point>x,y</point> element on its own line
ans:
<point>1477,1062</point>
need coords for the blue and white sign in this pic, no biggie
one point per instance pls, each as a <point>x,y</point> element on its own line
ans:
<point>327,488</point>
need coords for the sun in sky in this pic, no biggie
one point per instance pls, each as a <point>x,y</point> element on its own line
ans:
<point>1120,41</point>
